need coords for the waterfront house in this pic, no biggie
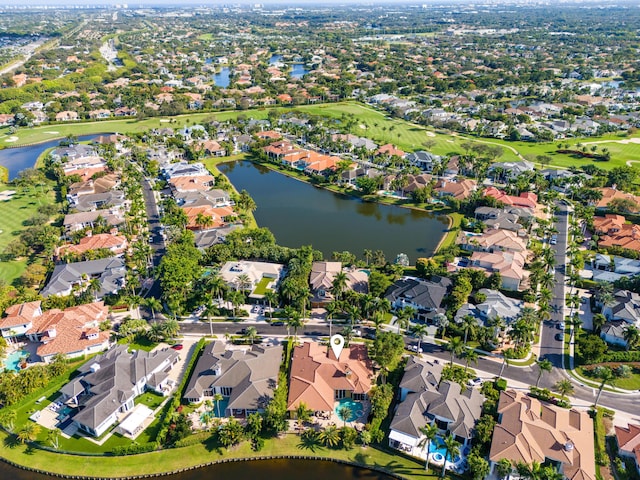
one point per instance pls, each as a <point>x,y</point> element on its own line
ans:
<point>246,377</point>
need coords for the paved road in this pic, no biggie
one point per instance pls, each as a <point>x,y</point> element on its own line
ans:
<point>550,348</point>
<point>153,217</point>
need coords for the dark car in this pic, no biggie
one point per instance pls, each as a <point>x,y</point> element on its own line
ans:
<point>559,337</point>
<point>279,323</point>
<point>177,346</point>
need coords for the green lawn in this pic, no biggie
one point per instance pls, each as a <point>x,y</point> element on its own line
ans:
<point>13,213</point>
<point>261,288</point>
<point>140,343</point>
<point>178,458</point>
<point>150,399</point>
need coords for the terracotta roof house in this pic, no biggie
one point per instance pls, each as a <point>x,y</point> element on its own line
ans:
<point>615,232</point>
<point>245,378</point>
<point>109,383</point>
<point>216,214</point>
<point>459,190</point>
<point>110,272</point>
<point>116,244</point>
<point>211,147</point>
<point>628,440</point>
<point>390,150</point>
<point>609,194</point>
<point>495,241</point>
<point>66,116</point>
<point>322,276</point>
<point>529,430</point>
<point>319,380</point>
<point>192,183</point>
<point>524,200</point>
<point>268,135</point>
<point>510,265</point>
<point>452,409</point>
<point>72,332</point>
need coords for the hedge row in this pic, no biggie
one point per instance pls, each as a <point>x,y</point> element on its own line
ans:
<point>631,356</point>
<point>167,413</point>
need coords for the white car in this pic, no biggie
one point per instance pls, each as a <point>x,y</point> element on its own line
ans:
<point>475,382</point>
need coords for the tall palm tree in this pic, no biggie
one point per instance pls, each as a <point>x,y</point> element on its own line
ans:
<point>378,320</point>
<point>403,317</point>
<point>331,309</point>
<point>8,419</point>
<point>419,330</point>
<point>217,397</point>
<point>455,346</point>
<point>429,433</point>
<point>564,387</point>
<point>344,413</point>
<point>294,321</point>
<point>53,438</point>
<point>468,324</point>
<point>598,321</point>
<point>631,335</point>
<point>216,286</point>
<point>250,334</point>
<point>470,356</point>
<point>544,365</point>
<point>243,282</point>
<point>339,285</point>
<point>152,304</point>
<point>606,376</point>
<point>271,297</point>
<point>452,450</point>
<point>209,311</point>
<point>28,433</point>
<point>353,311</point>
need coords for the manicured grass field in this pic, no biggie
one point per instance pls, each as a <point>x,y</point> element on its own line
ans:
<point>13,213</point>
<point>177,458</point>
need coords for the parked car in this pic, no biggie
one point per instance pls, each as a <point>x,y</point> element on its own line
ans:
<point>177,346</point>
<point>554,239</point>
<point>559,337</point>
<point>560,325</point>
<point>475,382</point>
<point>278,323</point>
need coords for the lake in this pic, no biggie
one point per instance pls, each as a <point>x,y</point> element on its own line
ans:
<point>298,70</point>
<point>300,214</point>
<point>221,78</point>
<point>276,469</point>
<point>17,159</point>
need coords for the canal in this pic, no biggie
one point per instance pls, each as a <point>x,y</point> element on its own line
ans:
<point>300,214</point>
<point>272,469</point>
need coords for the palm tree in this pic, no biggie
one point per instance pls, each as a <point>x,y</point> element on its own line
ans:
<point>598,321</point>
<point>152,304</point>
<point>531,472</point>
<point>504,467</point>
<point>505,357</point>
<point>378,319</point>
<point>468,324</point>
<point>330,436</point>
<point>250,333</point>
<point>605,374</point>
<point>331,309</point>
<point>243,282</point>
<point>455,346</point>
<point>8,419</point>
<point>353,311</point>
<point>217,397</point>
<point>564,387</point>
<point>53,438</point>
<point>403,316</point>
<point>631,335</point>
<point>544,365</point>
<point>368,255</point>
<point>452,450</point>
<point>419,330</point>
<point>209,311</point>
<point>429,432</point>
<point>204,221</point>
<point>217,286</point>
<point>170,328</point>
<point>271,297</point>
<point>470,356</point>
<point>303,414</point>
<point>339,285</point>
<point>344,413</point>
<point>294,321</point>
<point>28,433</point>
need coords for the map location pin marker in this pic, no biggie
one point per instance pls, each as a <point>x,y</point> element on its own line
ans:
<point>337,344</point>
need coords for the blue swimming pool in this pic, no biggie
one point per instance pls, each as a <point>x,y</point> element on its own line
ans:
<point>356,408</point>
<point>213,413</point>
<point>437,446</point>
<point>12,362</point>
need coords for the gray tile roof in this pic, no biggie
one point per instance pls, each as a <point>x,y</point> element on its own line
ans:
<point>110,271</point>
<point>251,374</point>
<point>112,384</point>
<point>428,294</point>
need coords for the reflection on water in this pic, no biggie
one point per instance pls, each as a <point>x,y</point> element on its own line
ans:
<point>271,469</point>
<point>299,214</point>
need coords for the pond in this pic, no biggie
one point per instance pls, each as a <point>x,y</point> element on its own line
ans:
<point>300,214</point>
<point>298,70</point>
<point>17,159</point>
<point>280,469</point>
<point>221,78</point>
